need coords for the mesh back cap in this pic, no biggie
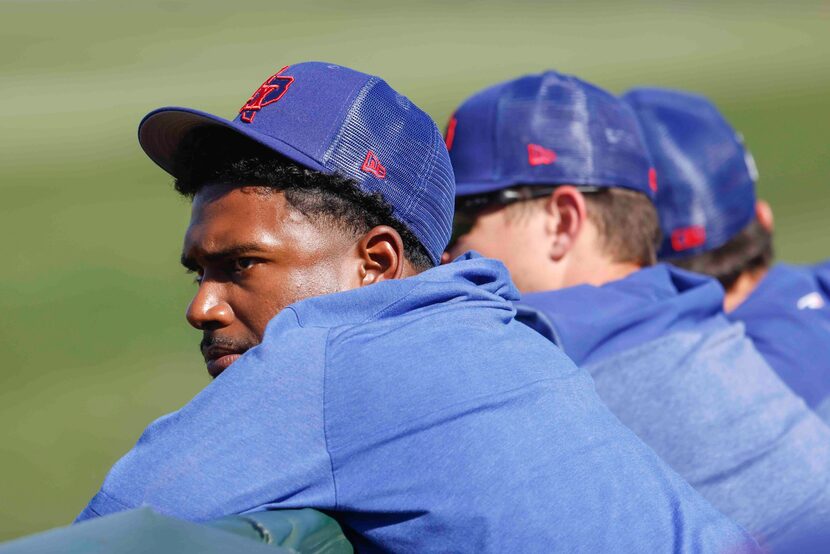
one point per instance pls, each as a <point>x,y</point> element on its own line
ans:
<point>333,119</point>
<point>546,129</point>
<point>707,176</point>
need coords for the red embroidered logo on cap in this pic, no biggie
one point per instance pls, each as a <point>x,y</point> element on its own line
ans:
<point>687,237</point>
<point>448,140</point>
<point>539,155</point>
<point>652,179</point>
<point>268,92</point>
<point>372,165</point>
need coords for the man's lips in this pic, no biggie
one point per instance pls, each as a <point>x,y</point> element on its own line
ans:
<point>218,359</point>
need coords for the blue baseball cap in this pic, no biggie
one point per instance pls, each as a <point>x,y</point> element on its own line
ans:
<point>547,129</point>
<point>707,176</point>
<point>333,119</point>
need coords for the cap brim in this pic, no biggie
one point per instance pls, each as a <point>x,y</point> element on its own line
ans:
<point>162,131</point>
<point>468,189</point>
<point>471,188</point>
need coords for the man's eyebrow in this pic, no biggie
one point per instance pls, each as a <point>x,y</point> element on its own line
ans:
<point>229,252</point>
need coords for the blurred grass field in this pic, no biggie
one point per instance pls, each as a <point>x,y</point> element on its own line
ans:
<point>92,335</point>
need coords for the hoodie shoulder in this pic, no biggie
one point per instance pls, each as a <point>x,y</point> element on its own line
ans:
<point>787,287</point>
<point>788,319</point>
<point>713,409</point>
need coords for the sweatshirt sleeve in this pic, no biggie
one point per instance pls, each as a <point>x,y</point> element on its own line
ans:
<point>252,439</point>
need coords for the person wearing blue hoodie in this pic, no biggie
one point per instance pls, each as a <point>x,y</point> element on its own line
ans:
<point>355,375</point>
<point>714,224</point>
<point>553,178</point>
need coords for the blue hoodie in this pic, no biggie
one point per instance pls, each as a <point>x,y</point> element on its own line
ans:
<point>787,316</point>
<point>688,382</point>
<point>425,418</point>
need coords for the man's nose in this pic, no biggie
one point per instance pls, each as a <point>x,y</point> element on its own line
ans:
<point>209,310</point>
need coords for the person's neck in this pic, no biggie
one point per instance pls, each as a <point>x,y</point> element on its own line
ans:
<point>611,272</point>
<point>597,272</point>
<point>742,288</point>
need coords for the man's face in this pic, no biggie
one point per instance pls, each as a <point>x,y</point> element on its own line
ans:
<point>253,255</point>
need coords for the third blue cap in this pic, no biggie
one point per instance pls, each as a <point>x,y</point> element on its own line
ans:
<point>707,176</point>
<point>334,119</point>
<point>547,129</point>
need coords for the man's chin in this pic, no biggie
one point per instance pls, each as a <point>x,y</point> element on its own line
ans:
<point>217,365</point>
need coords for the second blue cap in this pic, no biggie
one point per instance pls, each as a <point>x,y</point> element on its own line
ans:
<point>547,129</point>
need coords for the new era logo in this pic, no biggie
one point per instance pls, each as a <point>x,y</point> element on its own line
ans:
<point>539,155</point>
<point>268,92</point>
<point>652,179</point>
<point>687,237</point>
<point>372,165</point>
<point>812,301</point>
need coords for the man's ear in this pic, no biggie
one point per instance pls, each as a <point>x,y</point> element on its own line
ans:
<point>566,212</point>
<point>763,213</point>
<point>381,255</point>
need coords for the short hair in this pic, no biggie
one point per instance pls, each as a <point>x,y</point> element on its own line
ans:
<point>211,156</point>
<point>626,222</point>
<point>749,250</point>
<point>627,225</point>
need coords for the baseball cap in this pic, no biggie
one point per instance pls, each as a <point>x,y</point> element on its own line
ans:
<point>707,176</point>
<point>546,129</point>
<point>333,119</point>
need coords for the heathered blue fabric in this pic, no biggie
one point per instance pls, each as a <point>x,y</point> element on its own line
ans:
<point>787,316</point>
<point>690,384</point>
<point>424,417</point>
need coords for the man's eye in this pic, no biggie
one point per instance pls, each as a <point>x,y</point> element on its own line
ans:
<point>197,275</point>
<point>241,264</point>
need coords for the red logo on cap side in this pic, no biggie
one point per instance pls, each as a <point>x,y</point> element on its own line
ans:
<point>268,92</point>
<point>372,165</point>
<point>539,155</point>
<point>685,238</point>
<point>450,137</point>
<point>652,179</point>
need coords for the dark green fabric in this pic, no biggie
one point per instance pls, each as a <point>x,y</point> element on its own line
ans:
<point>144,531</point>
<point>303,531</point>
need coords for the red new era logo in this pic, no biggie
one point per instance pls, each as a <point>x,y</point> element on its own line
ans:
<point>685,238</point>
<point>448,140</point>
<point>539,155</point>
<point>372,165</point>
<point>268,92</point>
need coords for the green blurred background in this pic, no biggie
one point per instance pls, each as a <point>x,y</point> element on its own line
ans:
<point>93,341</point>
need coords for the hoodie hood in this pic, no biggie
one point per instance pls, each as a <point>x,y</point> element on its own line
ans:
<point>469,278</point>
<point>591,323</point>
